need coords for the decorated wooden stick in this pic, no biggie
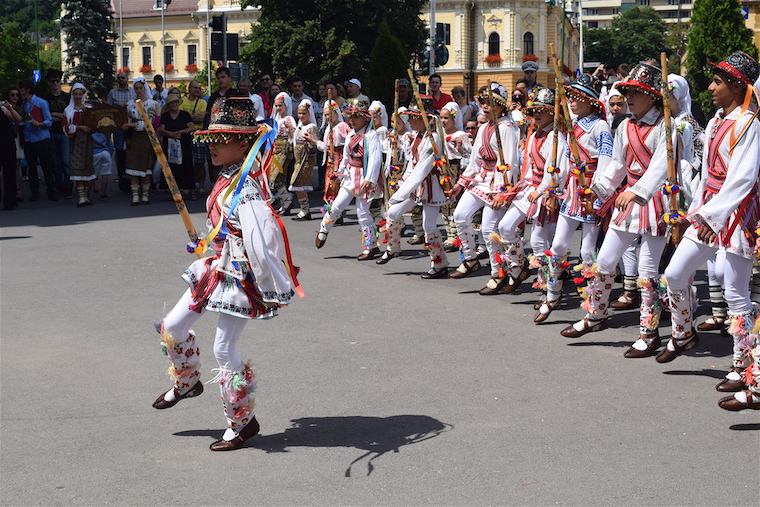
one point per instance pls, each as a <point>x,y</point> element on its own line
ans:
<point>327,194</point>
<point>170,182</point>
<point>551,198</point>
<point>675,215</point>
<point>439,160</point>
<point>579,169</point>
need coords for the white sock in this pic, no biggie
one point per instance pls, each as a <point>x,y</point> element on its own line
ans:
<point>169,396</point>
<point>640,345</point>
<point>229,435</point>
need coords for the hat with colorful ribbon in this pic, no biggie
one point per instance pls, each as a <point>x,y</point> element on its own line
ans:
<point>583,90</point>
<point>231,118</point>
<point>643,78</point>
<point>740,67</point>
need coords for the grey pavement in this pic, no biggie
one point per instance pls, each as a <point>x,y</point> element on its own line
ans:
<point>378,388</point>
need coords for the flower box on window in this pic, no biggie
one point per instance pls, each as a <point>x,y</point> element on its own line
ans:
<point>169,67</point>
<point>493,59</point>
<point>146,69</point>
<point>125,70</point>
<point>192,68</point>
<point>530,58</point>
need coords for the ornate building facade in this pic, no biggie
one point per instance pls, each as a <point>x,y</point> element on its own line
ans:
<point>490,39</point>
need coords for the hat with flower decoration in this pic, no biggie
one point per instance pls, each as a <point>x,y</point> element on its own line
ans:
<point>499,95</point>
<point>232,118</point>
<point>357,107</point>
<point>540,99</point>
<point>739,66</point>
<point>643,78</point>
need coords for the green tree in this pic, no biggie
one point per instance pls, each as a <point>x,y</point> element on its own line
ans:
<point>597,46</point>
<point>639,34</point>
<point>327,39</point>
<point>22,12</point>
<point>16,57</point>
<point>87,28</point>
<point>388,62</point>
<point>717,30</point>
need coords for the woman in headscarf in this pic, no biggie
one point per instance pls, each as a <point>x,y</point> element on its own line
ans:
<point>305,153</point>
<point>458,149</point>
<point>331,146</point>
<point>140,156</point>
<point>282,156</point>
<point>80,161</point>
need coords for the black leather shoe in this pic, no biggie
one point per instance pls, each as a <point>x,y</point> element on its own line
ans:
<point>161,403</point>
<point>251,429</point>
<point>387,256</point>
<point>436,274</point>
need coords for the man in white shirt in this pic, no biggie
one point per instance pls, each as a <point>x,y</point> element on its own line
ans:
<point>244,85</point>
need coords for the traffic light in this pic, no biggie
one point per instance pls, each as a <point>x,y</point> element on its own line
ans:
<point>424,60</point>
<point>441,54</point>
<point>217,23</point>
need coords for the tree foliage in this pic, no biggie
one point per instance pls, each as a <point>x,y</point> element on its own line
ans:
<point>22,12</point>
<point>87,28</point>
<point>328,39</point>
<point>637,34</point>
<point>16,56</point>
<point>388,62</point>
<point>717,30</point>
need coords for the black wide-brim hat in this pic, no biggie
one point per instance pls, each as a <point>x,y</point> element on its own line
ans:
<point>740,66</point>
<point>231,118</point>
<point>644,78</point>
<point>583,90</point>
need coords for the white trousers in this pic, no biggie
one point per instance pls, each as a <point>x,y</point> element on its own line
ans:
<point>617,242</point>
<point>566,227</point>
<point>737,272</point>
<point>466,208</point>
<point>429,214</point>
<point>341,202</point>
<point>229,328</point>
<point>540,235</point>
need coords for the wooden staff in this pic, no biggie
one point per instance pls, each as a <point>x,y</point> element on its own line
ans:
<point>494,120</point>
<point>394,120</point>
<point>330,149</point>
<point>167,171</point>
<point>550,200</point>
<point>675,231</point>
<point>436,151</point>
<point>572,141</point>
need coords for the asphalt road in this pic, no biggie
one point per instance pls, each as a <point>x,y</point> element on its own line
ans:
<point>377,388</point>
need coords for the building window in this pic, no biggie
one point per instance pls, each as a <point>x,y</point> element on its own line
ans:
<point>528,43</point>
<point>615,11</point>
<point>125,57</point>
<point>158,5</point>
<point>494,44</point>
<point>146,56</point>
<point>443,33</point>
<point>168,55</point>
<point>593,24</point>
<point>643,2</point>
<point>192,54</point>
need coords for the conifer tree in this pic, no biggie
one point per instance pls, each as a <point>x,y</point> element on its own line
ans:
<point>388,62</point>
<point>86,25</point>
<point>717,30</point>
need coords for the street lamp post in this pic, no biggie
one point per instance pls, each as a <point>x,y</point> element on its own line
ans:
<point>163,41</point>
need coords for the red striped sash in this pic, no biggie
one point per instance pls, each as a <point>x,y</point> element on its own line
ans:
<point>356,149</point>
<point>538,160</point>
<point>416,149</point>
<point>486,152</point>
<point>716,166</point>
<point>637,148</point>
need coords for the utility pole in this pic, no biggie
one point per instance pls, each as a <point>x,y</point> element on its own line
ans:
<point>208,45</point>
<point>580,28</point>
<point>163,41</point>
<point>121,35</point>
<point>37,29</point>
<point>432,37</point>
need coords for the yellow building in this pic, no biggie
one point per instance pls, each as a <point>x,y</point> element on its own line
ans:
<point>490,39</point>
<point>752,12</point>
<point>137,25</point>
<point>486,39</point>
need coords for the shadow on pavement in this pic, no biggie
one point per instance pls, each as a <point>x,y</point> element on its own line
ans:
<point>374,435</point>
<point>745,427</point>
<point>716,374</point>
